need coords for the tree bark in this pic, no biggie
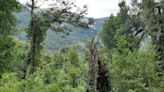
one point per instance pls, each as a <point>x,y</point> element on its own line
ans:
<point>33,39</point>
<point>94,65</point>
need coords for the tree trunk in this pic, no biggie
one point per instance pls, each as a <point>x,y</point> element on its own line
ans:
<point>33,39</point>
<point>93,66</point>
<point>98,72</point>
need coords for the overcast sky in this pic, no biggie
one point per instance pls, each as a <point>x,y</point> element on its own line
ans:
<point>96,8</point>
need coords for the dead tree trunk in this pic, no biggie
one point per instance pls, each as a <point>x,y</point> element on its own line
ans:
<point>103,83</point>
<point>93,66</point>
<point>98,81</point>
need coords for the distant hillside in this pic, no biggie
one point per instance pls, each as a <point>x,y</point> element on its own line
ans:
<point>56,40</point>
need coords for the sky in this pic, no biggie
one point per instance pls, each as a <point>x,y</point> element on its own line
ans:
<point>96,8</point>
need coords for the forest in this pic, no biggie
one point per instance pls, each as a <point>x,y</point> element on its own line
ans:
<point>60,50</point>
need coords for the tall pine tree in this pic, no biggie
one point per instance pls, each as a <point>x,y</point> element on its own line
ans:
<point>54,18</point>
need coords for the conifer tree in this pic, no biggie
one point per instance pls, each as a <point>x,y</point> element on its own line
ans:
<point>127,31</point>
<point>53,18</point>
<point>151,17</point>
<point>119,25</point>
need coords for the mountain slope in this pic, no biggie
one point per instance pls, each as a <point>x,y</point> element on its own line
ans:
<point>56,40</point>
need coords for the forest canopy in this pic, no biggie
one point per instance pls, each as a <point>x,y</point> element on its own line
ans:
<point>126,54</point>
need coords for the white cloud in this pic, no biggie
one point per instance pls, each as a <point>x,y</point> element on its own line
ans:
<point>96,8</point>
<point>102,8</point>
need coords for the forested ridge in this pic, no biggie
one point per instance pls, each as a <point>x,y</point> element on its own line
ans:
<point>125,55</point>
<point>54,40</point>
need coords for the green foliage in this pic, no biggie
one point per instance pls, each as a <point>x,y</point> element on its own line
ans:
<point>134,71</point>
<point>119,25</point>
<point>108,32</point>
<point>41,26</point>
<point>56,19</point>
<point>7,27</point>
<point>62,71</point>
<point>133,68</point>
<point>10,83</point>
<point>130,65</point>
